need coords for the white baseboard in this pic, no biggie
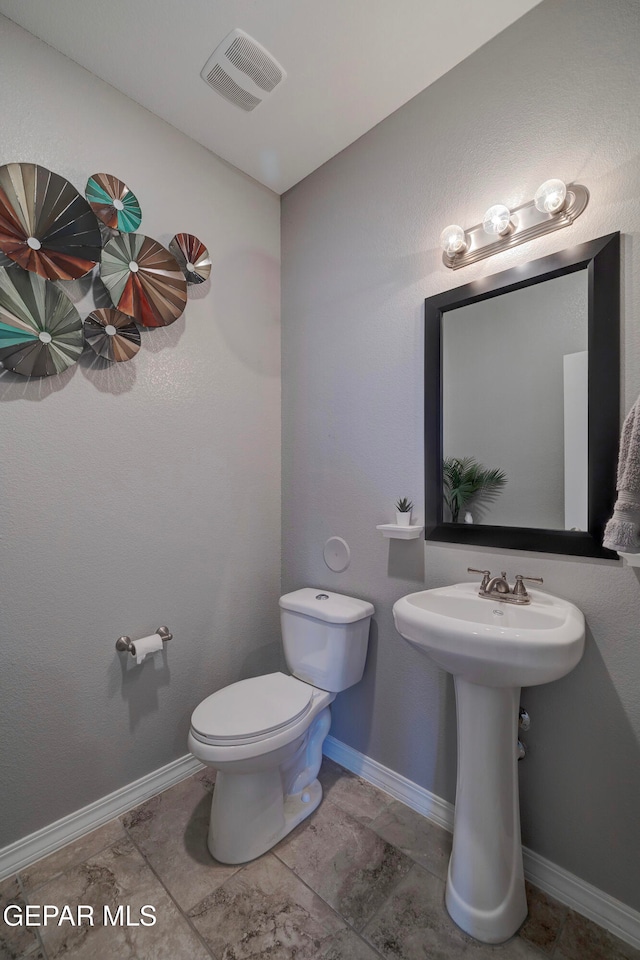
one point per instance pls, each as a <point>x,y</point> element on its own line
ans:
<point>397,786</point>
<point>591,902</point>
<point>24,852</point>
<point>613,915</point>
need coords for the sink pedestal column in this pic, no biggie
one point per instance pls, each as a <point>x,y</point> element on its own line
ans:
<point>485,885</point>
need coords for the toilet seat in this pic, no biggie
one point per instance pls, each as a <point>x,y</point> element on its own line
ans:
<point>251,710</point>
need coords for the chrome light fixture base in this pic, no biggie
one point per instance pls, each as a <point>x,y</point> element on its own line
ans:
<point>527,223</point>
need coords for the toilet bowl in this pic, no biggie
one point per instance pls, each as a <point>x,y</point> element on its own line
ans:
<point>264,735</point>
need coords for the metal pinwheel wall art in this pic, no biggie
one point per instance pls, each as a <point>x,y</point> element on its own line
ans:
<point>40,329</point>
<point>143,279</point>
<point>113,203</point>
<point>112,335</point>
<point>193,257</point>
<point>45,225</point>
<point>50,233</point>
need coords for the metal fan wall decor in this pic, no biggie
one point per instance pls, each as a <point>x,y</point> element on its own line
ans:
<point>193,257</point>
<point>113,202</point>
<point>49,232</point>
<point>144,280</point>
<point>40,329</point>
<point>45,225</point>
<point>112,335</point>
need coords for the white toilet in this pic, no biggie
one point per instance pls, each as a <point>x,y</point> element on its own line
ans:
<point>264,735</point>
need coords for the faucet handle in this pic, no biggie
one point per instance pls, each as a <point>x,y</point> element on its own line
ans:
<point>485,576</point>
<point>519,588</point>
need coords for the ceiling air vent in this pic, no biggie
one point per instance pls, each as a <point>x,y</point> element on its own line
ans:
<point>242,71</point>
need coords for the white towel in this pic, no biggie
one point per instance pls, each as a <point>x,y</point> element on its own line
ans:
<point>622,532</point>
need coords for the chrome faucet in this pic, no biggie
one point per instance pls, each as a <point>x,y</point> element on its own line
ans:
<point>498,585</point>
<point>497,588</point>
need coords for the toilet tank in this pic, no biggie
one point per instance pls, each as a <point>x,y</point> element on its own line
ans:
<point>325,637</point>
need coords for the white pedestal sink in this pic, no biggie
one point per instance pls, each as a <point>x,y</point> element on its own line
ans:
<point>492,649</point>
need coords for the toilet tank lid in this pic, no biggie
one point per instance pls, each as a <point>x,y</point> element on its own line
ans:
<point>325,605</point>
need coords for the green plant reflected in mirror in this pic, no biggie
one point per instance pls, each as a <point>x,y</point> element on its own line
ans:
<point>466,482</point>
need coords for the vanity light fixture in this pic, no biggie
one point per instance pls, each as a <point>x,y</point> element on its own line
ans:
<point>497,220</point>
<point>555,205</point>
<point>550,197</point>
<point>452,240</point>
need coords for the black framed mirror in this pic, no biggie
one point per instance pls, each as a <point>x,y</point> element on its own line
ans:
<point>522,376</point>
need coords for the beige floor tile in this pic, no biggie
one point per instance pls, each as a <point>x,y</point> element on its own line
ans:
<point>581,939</point>
<point>421,839</point>
<point>117,876</point>
<point>15,941</point>
<point>171,831</point>
<point>33,954</point>
<point>347,945</point>
<point>413,924</point>
<point>56,863</point>
<point>37,954</point>
<point>352,794</point>
<point>206,777</point>
<point>545,919</point>
<point>349,865</point>
<point>264,911</point>
<point>377,863</point>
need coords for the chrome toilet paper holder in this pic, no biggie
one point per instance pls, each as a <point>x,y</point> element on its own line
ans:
<point>127,645</point>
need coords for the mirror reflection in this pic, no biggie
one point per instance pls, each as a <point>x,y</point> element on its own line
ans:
<point>515,401</point>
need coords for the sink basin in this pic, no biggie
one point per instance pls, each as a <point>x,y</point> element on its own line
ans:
<point>492,649</point>
<point>489,642</point>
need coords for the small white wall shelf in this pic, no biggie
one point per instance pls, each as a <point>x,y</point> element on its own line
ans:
<point>397,532</point>
<point>630,559</point>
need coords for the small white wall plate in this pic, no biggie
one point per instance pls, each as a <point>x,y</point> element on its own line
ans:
<point>336,553</point>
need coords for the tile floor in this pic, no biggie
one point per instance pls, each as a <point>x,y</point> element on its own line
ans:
<point>361,879</point>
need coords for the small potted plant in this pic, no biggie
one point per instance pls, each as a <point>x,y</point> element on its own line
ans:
<point>404,506</point>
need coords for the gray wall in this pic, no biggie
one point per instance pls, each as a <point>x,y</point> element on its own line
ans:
<point>503,394</point>
<point>141,493</point>
<point>554,96</point>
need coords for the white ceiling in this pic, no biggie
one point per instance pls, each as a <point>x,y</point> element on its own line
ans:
<point>350,63</point>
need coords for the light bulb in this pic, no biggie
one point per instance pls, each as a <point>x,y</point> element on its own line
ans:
<point>497,220</point>
<point>550,197</point>
<point>452,240</point>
